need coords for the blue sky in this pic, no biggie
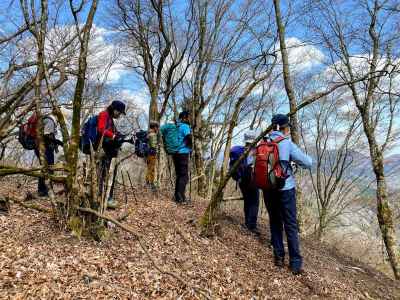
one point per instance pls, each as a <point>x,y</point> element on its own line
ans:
<point>132,84</point>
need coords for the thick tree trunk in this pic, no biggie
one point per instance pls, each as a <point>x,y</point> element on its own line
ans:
<point>384,214</point>
<point>75,195</point>
<point>322,223</point>
<point>294,131</point>
<point>153,107</point>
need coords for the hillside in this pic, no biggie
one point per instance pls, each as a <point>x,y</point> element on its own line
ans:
<point>39,261</point>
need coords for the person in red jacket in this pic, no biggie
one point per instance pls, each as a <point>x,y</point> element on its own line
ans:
<point>112,141</point>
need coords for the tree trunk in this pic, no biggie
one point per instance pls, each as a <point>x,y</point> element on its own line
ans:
<point>384,212</point>
<point>153,107</point>
<point>322,223</point>
<point>294,130</point>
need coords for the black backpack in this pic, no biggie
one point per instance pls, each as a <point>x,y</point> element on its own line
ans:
<point>141,144</point>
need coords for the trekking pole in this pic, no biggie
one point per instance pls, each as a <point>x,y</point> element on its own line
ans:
<point>125,193</point>
<point>133,190</point>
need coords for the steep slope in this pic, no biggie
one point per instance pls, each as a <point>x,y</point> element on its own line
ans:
<point>39,261</point>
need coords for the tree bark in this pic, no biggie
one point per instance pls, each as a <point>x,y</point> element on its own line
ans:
<point>384,212</point>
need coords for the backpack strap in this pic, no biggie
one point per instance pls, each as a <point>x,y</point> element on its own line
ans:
<point>279,139</point>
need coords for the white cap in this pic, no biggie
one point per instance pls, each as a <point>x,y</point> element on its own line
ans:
<point>249,136</point>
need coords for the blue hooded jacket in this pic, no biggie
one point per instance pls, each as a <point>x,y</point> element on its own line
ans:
<point>290,152</point>
<point>184,130</point>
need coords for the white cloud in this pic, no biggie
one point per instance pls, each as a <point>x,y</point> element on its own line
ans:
<point>136,99</point>
<point>302,56</point>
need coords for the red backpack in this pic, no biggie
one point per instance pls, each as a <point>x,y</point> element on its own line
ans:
<point>268,172</point>
<point>27,133</point>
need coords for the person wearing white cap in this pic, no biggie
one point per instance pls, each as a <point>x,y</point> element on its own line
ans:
<point>244,177</point>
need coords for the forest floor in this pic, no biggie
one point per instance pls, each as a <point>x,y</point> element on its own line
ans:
<point>38,261</point>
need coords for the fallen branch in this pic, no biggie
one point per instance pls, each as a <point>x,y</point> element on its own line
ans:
<point>146,250</point>
<point>31,205</point>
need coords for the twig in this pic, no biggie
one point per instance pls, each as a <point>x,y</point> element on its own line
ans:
<point>201,291</point>
<point>197,177</point>
<point>124,187</point>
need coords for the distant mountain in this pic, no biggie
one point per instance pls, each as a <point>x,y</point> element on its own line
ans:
<point>362,167</point>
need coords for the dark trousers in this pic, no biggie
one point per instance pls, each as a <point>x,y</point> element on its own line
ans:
<point>251,202</point>
<point>111,149</point>
<point>281,207</point>
<point>181,164</point>
<point>49,156</point>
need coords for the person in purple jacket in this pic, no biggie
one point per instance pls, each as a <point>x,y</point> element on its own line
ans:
<point>281,204</point>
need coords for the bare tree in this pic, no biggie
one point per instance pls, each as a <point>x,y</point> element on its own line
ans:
<point>149,33</point>
<point>331,134</point>
<point>374,97</point>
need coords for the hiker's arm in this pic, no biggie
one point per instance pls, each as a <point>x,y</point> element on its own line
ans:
<point>299,157</point>
<point>188,140</point>
<point>102,126</point>
<point>187,134</point>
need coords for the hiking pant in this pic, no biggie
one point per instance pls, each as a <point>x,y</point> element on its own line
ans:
<point>49,156</point>
<point>181,163</point>
<point>151,169</point>
<point>281,207</point>
<point>251,202</point>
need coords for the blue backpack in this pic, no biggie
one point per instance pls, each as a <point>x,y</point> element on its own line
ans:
<point>234,155</point>
<point>141,144</point>
<point>170,134</point>
<point>89,135</point>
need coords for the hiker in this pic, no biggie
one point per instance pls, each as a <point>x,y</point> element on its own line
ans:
<point>27,136</point>
<point>281,202</point>
<point>177,139</point>
<point>151,159</point>
<point>244,177</point>
<point>112,141</point>
<point>51,144</point>
<point>181,157</point>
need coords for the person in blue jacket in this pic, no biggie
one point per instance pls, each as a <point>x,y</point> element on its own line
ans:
<point>281,204</point>
<point>181,158</point>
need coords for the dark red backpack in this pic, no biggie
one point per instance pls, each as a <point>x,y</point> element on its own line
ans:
<point>27,133</point>
<point>268,172</point>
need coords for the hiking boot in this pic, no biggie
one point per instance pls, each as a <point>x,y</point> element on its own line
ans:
<point>111,204</point>
<point>279,261</point>
<point>255,231</point>
<point>251,230</point>
<point>297,271</point>
<point>43,194</point>
<point>152,187</point>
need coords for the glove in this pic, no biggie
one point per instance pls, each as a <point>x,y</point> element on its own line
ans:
<point>130,141</point>
<point>119,139</point>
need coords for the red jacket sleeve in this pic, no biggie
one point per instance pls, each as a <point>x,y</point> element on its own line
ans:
<point>103,125</point>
